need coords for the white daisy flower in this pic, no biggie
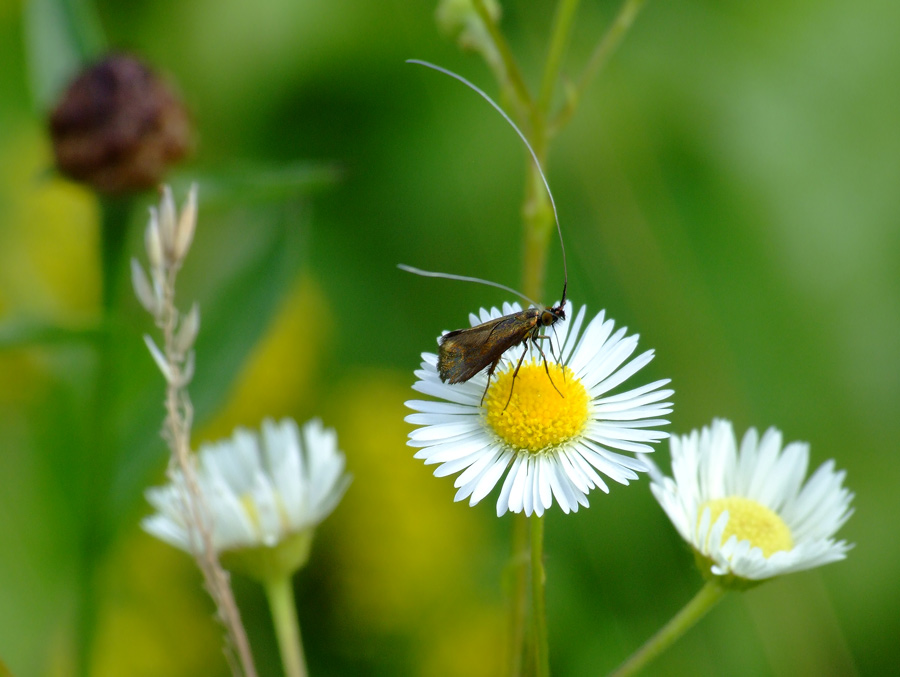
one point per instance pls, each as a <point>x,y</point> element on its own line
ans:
<point>259,488</point>
<point>744,512</point>
<point>555,435</point>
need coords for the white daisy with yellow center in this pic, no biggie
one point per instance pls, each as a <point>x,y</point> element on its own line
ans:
<point>259,488</point>
<point>746,513</point>
<point>555,435</point>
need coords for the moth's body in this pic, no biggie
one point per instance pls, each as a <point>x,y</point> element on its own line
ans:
<point>466,352</point>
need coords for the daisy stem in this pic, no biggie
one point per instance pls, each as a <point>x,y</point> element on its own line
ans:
<point>280,594</point>
<point>539,610</point>
<point>683,621</point>
<point>517,572</point>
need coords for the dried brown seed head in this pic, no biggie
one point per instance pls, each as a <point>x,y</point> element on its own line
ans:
<point>119,127</point>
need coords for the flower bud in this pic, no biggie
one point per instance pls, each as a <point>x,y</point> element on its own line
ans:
<point>118,127</point>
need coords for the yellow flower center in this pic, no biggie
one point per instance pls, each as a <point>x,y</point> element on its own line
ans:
<point>750,521</point>
<point>539,416</point>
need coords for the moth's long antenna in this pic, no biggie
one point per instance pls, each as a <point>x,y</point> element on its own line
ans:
<point>465,278</point>
<point>534,157</point>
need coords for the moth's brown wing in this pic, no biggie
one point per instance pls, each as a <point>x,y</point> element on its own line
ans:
<point>465,352</point>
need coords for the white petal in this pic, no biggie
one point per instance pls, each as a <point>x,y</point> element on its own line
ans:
<point>544,490</point>
<point>443,430</point>
<point>528,485</point>
<point>517,495</point>
<point>432,407</point>
<point>461,463</point>
<point>449,451</point>
<point>490,477</point>
<point>503,502</point>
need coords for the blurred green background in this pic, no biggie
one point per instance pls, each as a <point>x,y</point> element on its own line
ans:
<point>729,188</point>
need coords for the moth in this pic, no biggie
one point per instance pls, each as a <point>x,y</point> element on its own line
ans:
<point>466,352</point>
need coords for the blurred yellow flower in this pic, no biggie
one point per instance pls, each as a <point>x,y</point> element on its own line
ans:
<point>408,559</point>
<point>48,246</point>
<point>48,256</point>
<point>155,617</point>
<point>264,387</point>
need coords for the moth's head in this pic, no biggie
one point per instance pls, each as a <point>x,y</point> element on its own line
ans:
<point>553,315</point>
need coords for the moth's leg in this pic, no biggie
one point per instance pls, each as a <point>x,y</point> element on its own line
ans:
<point>516,373</point>
<point>558,360</point>
<point>546,367</point>
<point>488,384</point>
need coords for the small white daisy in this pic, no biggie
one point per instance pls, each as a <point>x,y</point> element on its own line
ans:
<point>746,513</point>
<point>259,488</point>
<point>554,434</point>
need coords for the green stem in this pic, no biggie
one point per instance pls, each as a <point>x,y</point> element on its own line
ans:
<point>280,593</point>
<point>562,24</point>
<point>602,52</point>
<point>114,221</point>
<point>517,571</point>
<point>683,621</point>
<point>539,608</point>
<point>95,519</point>
<point>514,80</point>
<point>538,221</point>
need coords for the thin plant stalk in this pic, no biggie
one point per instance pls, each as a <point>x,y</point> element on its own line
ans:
<point>518,596</point>
<point>280,594</point>
<point>179,417</point>
<point>537,216</point>
<point>538,222</point>
<point>167,239</point>
<point>540,643</point>
<point>708,596</point>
